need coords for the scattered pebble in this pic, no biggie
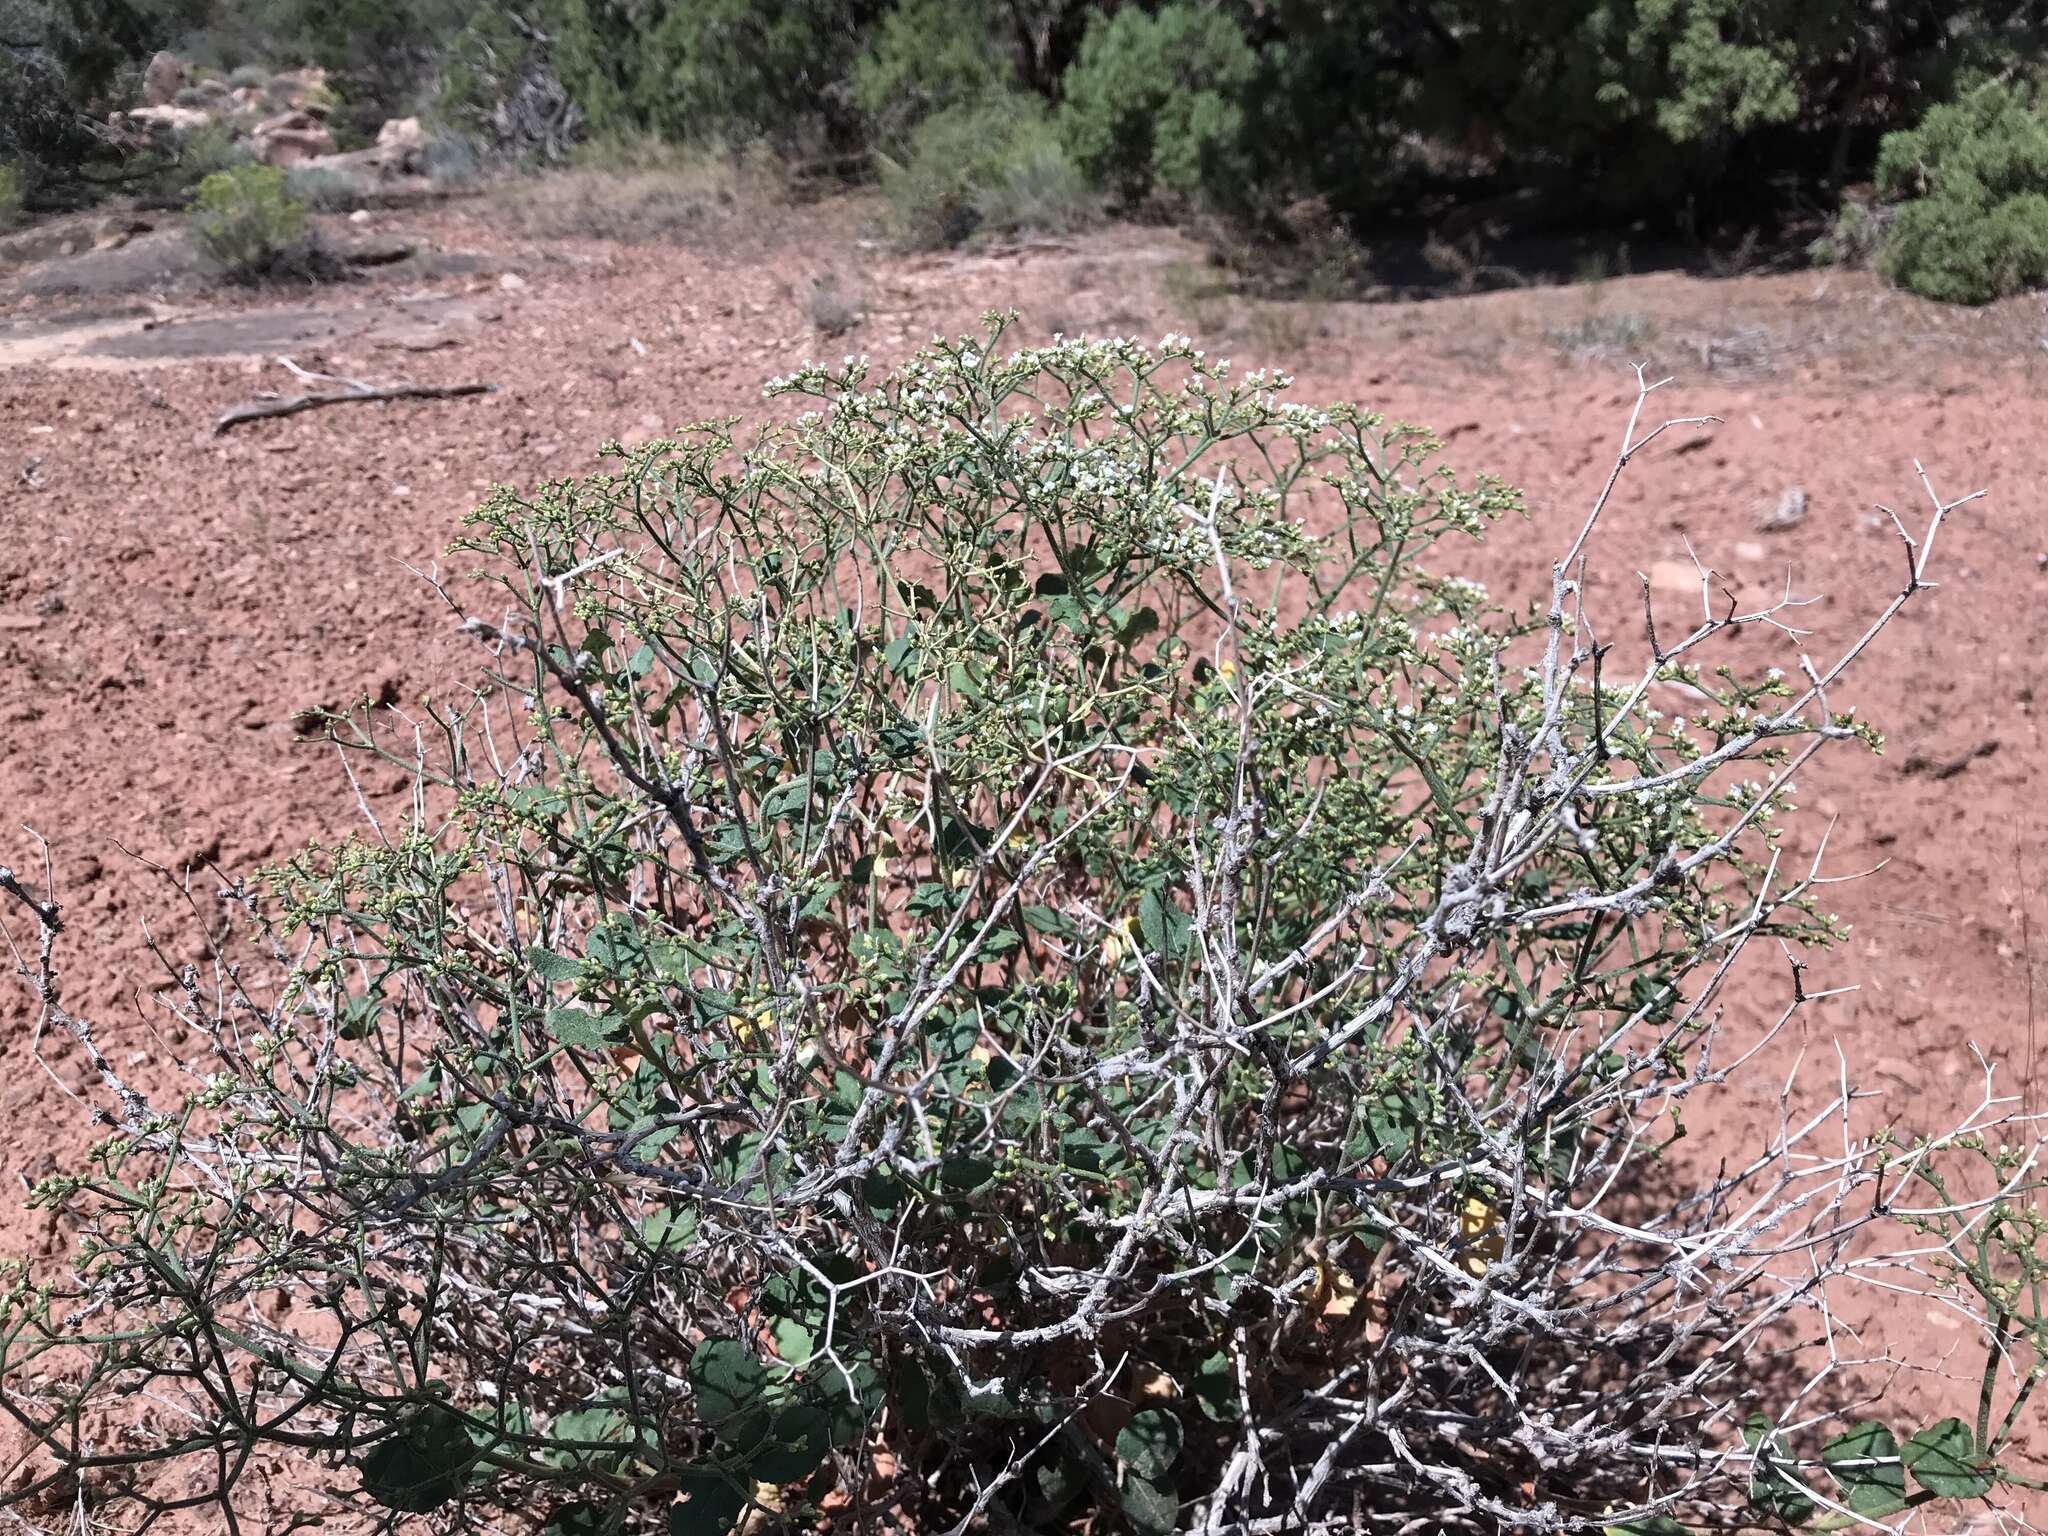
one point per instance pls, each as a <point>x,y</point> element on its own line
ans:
<point>1790,511</point>
<point>512,282</point>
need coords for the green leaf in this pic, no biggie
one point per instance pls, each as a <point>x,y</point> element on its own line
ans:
<point>1215,1389</point>
<point>1865,1463</point>
<point>1656,1525</point>
<point>421,1466</point>
<point>966,1174</point>
<point>729,1381</point>
<point>1150,1444</point>
<point>795,1445</point>
<point>1153,1508</point>
<point>358,1017</point>
<point>1050,920</point>
<point>711,1504</point>
<point>583,1029</point>
<point>1163,925</point>
<point>1773,1487</point>
<point>546,963</point>
<point>1946,1462</point>
<point>1059,1482</point>
<point>669,1230</point>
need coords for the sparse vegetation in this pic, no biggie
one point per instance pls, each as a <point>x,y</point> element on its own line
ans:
<point>642,189</point>
<point>1602,332</point>
<point>325,190</point>
<point>1855,237</point>
<point>10,196</point>
<point>996,164</point>
<point>249,226</point>
<point>834,304</point>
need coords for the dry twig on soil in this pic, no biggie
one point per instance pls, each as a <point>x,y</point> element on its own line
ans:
<point>353,391</point>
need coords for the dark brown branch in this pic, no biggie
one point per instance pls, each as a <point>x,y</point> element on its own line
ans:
<point>257,410</point>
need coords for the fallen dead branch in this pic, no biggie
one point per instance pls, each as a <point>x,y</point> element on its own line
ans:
<point>352,391</point>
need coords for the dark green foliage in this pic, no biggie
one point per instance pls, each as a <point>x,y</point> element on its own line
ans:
<point>927,56</point>
<point>711,71</point>
<point>65,62</point>
<point>1972,225</point>
<point>1158,101</point>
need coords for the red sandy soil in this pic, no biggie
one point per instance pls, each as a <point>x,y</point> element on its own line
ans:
<point>169,600</point>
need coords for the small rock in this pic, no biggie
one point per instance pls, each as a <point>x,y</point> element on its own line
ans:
<point>1749,549</point>
<point>401,133</point>
<point>176,118</point>
<point>291,138</point>
<point>162,79</point>
<point>360,217</point>
<point>117,230</point>
<point>1790,511</point>
<point>512,282</point>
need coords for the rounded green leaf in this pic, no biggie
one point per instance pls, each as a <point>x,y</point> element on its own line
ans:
<point>1150,1444</point>
<point>1945,1461</point>
<point>729,1381</point>
<point>421,1466</point>
<point>709,1504</point>
<point>1773,1487</point>
<point>1152,1507</point>
<point>1865,1464</point>
<point>796,1443</point>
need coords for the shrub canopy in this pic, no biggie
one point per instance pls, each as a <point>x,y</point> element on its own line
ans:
<point>1002,951</point>
<point>1972,178</point>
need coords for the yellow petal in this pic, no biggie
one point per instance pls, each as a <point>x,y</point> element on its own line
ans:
<point>1479,1227</point>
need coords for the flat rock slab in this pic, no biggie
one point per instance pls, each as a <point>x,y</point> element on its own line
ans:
<point>138,337</point>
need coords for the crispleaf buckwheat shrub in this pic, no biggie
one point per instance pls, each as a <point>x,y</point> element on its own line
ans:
<point>1013,952</point>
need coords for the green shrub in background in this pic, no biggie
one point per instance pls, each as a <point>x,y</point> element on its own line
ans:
<point>999,955</point>
<point>993,164</point>
<point>927,56</point>
<point>1972,183</point>
<point>12,192</point>
<point>246,222</point>
<point>1158,101</point>
<point>713,71</point>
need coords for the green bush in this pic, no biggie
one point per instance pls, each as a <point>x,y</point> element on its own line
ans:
<point>710,71</point>
<point>1035,190</point>
<point>325,190</point>
<point>12,191</point>
<point>927,56</point>
<point>993,164</point>
<point>1158,101</point>
<point>998,955</point>
<point>1972,180</point>
<point>247,224</point>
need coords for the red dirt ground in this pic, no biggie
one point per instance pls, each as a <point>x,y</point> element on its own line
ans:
<point>168,600</point>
